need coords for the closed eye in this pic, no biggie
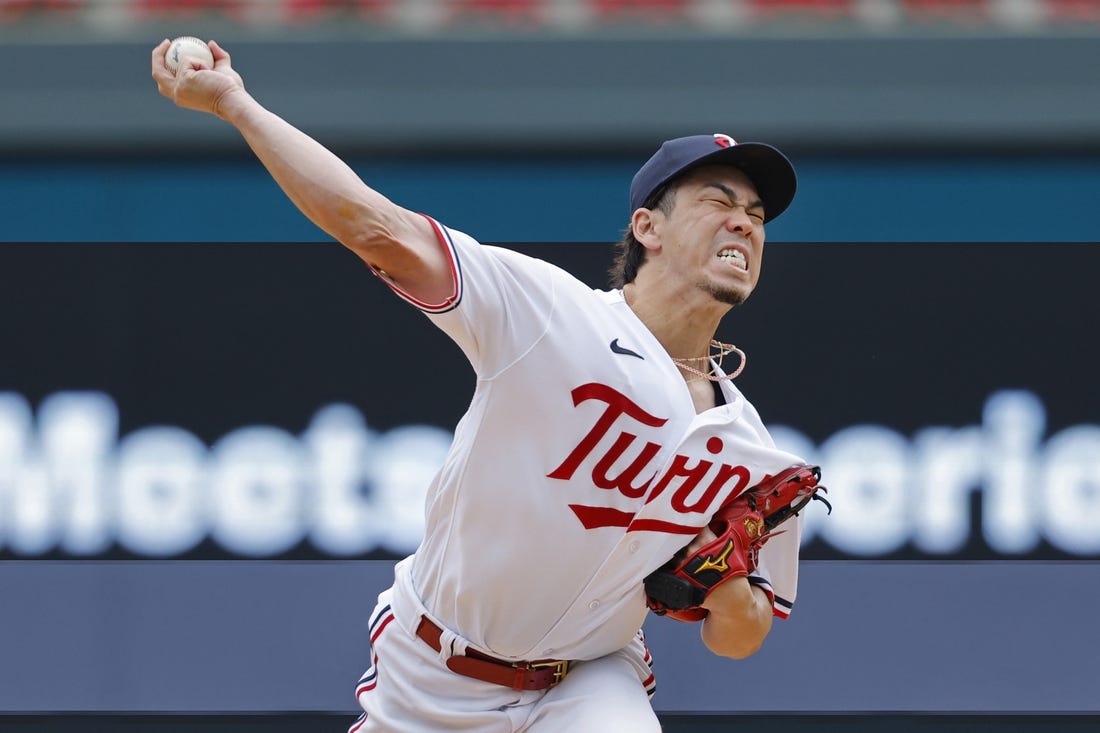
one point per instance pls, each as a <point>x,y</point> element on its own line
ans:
<point>754,213</point>
<point>754,209</point>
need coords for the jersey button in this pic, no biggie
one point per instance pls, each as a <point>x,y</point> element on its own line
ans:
<point>633,547</point>
<point>593,605</point>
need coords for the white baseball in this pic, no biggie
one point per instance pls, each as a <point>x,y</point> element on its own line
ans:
<point>188,47</point>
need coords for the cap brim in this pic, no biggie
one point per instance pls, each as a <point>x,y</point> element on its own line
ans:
<point>768,169</point>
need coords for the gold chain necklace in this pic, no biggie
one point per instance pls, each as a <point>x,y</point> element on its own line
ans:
<point>723,350</point>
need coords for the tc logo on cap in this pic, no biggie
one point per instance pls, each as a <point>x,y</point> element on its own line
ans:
<point>724,141</point>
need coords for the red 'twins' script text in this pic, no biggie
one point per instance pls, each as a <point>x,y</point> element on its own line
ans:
<point>692,471</point>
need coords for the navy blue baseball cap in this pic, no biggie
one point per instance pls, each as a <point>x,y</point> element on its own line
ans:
<point>768,169</point>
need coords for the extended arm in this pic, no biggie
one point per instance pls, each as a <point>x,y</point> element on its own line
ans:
<point>386,236</point>
<point>739,620</point>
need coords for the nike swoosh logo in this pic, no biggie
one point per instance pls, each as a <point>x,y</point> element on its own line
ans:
<point>623,350</point>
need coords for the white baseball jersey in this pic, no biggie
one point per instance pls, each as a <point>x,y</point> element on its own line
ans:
<point>580,467</point>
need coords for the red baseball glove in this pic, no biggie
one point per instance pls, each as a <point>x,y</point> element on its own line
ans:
<point>741,526</point>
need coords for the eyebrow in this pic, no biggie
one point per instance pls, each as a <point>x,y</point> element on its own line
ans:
<point>757,204</point>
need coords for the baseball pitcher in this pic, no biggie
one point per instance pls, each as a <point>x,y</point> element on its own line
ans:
<point>607,466</point>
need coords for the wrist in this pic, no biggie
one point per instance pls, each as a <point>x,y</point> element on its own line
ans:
<point>232,105</point>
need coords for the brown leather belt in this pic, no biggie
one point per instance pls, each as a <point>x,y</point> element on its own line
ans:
<point>537,675</point>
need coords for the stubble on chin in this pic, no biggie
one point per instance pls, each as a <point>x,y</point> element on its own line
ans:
<point>732,297</point>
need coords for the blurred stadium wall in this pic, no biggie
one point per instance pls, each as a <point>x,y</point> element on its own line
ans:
<point>483,112</point>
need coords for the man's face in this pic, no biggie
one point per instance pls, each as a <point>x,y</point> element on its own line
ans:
<point>714,236</point>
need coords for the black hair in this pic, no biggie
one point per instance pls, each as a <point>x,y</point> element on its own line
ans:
<point>630,255</point>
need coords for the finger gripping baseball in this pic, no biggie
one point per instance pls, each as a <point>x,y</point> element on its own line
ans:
<point>741,528</point>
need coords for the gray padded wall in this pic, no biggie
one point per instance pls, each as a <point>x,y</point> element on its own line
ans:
<point>542,95</point>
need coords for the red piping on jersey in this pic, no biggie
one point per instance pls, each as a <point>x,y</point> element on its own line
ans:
<point>368,686</point>
<point>451,300</point>
<point>381,626</point>
<point>764,585</point>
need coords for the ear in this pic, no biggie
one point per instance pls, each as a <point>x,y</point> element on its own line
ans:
<point>645,223</point>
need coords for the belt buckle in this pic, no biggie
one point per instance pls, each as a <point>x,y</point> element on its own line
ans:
<point>561,668</point>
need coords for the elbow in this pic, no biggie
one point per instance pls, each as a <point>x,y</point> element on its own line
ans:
<point>739,620</point>
<point>737,634</point>
<point>744,651</point>
<point>737,647</point>
<point>367,227</point>
<point>371,239</point>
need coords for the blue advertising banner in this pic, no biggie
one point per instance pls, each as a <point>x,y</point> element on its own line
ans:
<point>275,401</point>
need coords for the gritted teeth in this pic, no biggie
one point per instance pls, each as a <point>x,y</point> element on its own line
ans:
<point>733,256</point>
